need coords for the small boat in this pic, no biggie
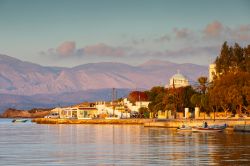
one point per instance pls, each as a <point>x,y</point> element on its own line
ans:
<point>221,126</point>
<point>19,120</point>
<point>184,128</point>
<point>207,129</point>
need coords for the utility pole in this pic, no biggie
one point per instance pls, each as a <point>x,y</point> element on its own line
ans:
<point>113,99</point>
<point>174,96</point>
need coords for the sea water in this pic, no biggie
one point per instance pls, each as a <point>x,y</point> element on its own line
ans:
<point>63,144</point>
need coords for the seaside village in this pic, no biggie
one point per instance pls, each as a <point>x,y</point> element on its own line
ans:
<point>126,109</point>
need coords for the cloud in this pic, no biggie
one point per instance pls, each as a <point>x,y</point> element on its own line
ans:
<point>213,29</point>
<point>182,33</point>
<point>162,39</point>
<point>194,51</point>
<point>217,30</point>
<point>67,48</point>
<point>184,52</point>
<point>138,41</point>
<point>179,34</point>
<point>241,33</point>
<point>104,50</point>
<point>212,35</point>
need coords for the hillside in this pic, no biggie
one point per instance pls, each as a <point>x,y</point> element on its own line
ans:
<point>24,78</point>
<point>25,84</point>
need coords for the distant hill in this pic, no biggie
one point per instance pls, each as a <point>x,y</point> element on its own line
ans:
<point>29,80</point>
<point>24,78</point>
<point>56,100</point>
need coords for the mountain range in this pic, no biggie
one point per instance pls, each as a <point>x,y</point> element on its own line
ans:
<point>24,82</point>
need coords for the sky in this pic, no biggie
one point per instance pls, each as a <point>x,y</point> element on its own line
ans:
<point>73,32</point>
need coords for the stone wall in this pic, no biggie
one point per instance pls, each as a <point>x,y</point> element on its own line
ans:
<point>174,123</point>
<point>91,121</point>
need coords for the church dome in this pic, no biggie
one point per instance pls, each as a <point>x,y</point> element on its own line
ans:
<point>178,76</point>
<point>178,80</point>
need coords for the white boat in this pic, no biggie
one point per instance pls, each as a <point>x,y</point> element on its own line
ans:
<point>19,120</point>
<point>221,126</point>
<point>207,129</point>
<point>184,128</point>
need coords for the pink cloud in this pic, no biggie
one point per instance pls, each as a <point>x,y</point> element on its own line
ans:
<point>213,29</point>
<point>103,49</point>
<point>245,28</point>
<point>67,48</point>
<point>216,30</point>
<point>242,33</point>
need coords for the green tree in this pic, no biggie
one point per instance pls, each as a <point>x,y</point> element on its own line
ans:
<point>231,91</point>
<point>203,84</point>
<point>196,100</point>
<point>233,59</point>
<point>143,112</point>
<point>223,60</point>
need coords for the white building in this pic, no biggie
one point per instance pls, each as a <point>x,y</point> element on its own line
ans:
<point>75,112</point>
<point>178,80</point>
<point>135,107</point>
<point>116,109</point>
<point>212,72</point>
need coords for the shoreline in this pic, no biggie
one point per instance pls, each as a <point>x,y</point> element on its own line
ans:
<point>92,121</point>
<point>173,123</point>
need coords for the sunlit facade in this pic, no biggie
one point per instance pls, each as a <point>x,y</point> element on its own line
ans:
<point>178,80</point>
<point>212,72</point>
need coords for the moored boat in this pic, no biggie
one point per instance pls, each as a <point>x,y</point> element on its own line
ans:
<point>184,128</point>
<point>19,120</point>
<point>221,126</point>
<point>207,129</point>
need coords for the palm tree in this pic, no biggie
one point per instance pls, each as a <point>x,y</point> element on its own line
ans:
<point>203,84</point>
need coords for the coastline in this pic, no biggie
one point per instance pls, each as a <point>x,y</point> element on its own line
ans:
<point>92,121</point>
<point>173,123</point>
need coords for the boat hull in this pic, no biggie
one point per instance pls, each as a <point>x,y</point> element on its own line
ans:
<point>207,130</point>
<point>184,129</point>
<point>19,120</point>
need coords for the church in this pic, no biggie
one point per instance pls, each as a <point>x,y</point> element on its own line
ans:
<point>178,80</point>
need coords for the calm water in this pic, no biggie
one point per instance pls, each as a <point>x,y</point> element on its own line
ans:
<point>33,144</point>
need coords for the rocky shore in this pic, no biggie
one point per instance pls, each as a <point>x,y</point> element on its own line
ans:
<point>33,113</point>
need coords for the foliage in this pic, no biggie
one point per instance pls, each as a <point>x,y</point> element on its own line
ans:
<point>200,98</point>
<point>156,95</point>
<point>143,112</point>
<point>203,84</point>
<point>137,96</point>
<point>196,100</point>
<point>231,91</point>
<point>233,59</point>
<point>170,98</point>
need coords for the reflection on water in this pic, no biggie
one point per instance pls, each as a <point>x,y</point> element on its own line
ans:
<point>32,144</point>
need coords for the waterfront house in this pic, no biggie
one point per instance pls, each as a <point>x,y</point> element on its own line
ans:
<point>117,109</point>
<point>78,112</point>
<point>136,106</point>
